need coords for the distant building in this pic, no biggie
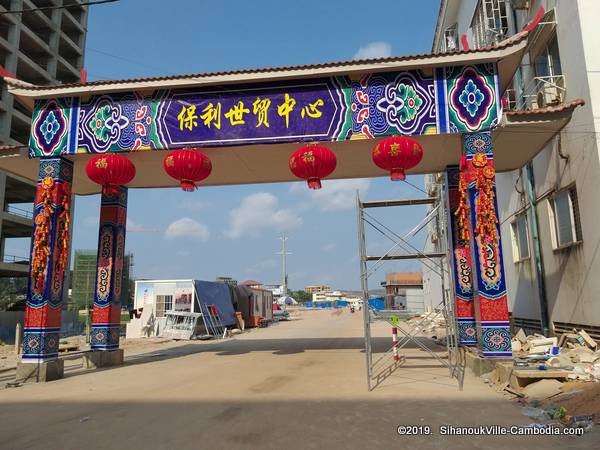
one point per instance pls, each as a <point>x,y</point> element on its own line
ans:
<point>276,289</point>
<point>84,278</point>
<point>404,290</point>
<point>317,288</point>
<point>227,280</point>
<point>42,47</point>
<point>327,296</point>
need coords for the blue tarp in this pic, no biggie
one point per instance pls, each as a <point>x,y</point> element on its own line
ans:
<point>210,292</point>
<point>325,305</point>
<point>376,303</point>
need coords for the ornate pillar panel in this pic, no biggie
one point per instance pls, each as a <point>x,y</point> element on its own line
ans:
<point>106,315</point>
<point>49,259</point>
<point>459,241</point>
<point>490,281</point>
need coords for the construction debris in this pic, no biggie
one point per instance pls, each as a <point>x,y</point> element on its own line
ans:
<point>542,389</point>
<point>575,352</point>
<point>428,322</point>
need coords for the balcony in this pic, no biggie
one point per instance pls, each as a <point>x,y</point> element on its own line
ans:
<point>540,92</point>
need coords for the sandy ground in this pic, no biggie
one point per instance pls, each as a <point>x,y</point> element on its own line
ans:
<point>298,384</point>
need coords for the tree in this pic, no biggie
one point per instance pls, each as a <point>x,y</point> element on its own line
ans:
<point>12,290</point>
<point>301,296</point>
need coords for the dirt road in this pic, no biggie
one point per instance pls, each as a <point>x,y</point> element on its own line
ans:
<point>299,384</point>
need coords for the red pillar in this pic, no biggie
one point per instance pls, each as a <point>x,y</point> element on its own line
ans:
<point>49,259</point>
<point>106,315</point>
<point>491,305</point>
<point>459,241</point>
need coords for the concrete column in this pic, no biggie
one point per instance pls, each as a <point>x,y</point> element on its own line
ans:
<point>491,298</point>
<point>49,256</point>
<point>106,315</point>
<point>462,280</point>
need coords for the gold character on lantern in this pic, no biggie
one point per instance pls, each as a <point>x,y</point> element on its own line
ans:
<point>286,108</point>
<point>312,110</point>
<point>236,114</point>
<point>394,149</point>
<point>212,115</point>
<point>188,118</point>
<point>260,107</point>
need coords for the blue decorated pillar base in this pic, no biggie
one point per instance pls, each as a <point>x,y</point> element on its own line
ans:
<point>40,345</point>
<point>496,339</point>
<point>105,337</point>
<point>467,331</point>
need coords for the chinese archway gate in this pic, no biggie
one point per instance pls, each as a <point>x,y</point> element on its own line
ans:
<point>248,123</point>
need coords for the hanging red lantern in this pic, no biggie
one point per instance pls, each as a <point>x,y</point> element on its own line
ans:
<point>397,154</point>
<point>111,171</point>
<point>312,163</point>
<point>188,165</point>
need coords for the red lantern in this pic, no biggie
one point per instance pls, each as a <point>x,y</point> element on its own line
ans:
<point>111,171</point>
<point>312,163</point>
<point>397,154</point>
<point>187,165</point>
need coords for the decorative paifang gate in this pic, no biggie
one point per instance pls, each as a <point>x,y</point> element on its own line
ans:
<point>458,99</point>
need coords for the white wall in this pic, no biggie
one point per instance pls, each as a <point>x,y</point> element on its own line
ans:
<point>571,278</point>
<point>571,286</point>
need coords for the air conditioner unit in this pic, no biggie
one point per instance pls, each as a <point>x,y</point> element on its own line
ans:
<point>434,237</point>
<point>549,95</point>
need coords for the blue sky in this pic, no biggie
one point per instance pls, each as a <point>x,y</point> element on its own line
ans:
<point>233,231</point>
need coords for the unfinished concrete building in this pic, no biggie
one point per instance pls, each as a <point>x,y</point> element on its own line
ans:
<point>42,47</point>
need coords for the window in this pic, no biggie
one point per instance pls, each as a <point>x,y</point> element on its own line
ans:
<point>565,225</point>
<point>547,63</point>
<point>164,304</point>
<point>490,22</point>
<point>520,238</point>
<point>450,38</point>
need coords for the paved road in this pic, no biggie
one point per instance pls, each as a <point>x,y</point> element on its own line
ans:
<point>299,384</point>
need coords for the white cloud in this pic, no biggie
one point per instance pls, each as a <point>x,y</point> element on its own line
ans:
<point>135,227</point>
<point>328,247</point>
<point>187,228</point>
<point>259,212</point>
<point>335,194</point>
<point>377,49</point>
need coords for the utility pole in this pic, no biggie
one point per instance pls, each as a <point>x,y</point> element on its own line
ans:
<point>283,238</point>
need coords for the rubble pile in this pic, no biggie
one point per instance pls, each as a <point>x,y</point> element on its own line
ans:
<point>428,322</point>
<point>556,379</point>
<point>575,352</point>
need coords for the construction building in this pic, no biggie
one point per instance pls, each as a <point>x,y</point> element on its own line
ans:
<point>317,288</point>
<point>84,279</point>
<point>42,47</point>
<point>227,280</point>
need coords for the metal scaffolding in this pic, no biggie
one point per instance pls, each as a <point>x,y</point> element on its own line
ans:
<point>402,249</point>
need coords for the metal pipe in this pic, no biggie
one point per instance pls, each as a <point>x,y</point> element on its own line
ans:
<point>364,286</point>
<point>537,251</point>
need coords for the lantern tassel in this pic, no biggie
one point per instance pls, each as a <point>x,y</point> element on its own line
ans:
<point>110,189</point>
<point>397,175</point>
<point>188,185</point>
<point>314,183</point>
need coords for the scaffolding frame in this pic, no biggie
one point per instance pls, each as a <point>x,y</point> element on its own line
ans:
<point>437,262</point>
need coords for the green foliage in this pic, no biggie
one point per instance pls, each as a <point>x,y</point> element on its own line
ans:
<point>301,296</point>
<point>12,290</point>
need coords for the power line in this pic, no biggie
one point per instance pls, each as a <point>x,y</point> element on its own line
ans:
<point>45,8</point>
